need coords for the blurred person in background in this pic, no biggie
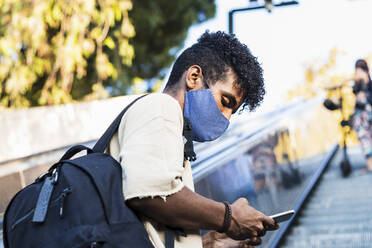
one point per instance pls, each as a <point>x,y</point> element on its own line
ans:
<point>362,117</point>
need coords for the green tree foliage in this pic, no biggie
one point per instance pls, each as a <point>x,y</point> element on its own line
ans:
<point>161,29</point>
<point>58,51</point>
<point>48,47</point>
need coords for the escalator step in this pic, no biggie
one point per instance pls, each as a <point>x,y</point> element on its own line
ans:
<point>321,229</point>
<point>329,203</point>
<point>346,209</point>
<point>333,240</point>
<point>336,220</point>
<point>338,213</point>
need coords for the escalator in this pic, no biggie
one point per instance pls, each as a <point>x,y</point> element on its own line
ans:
<point>338,212</point>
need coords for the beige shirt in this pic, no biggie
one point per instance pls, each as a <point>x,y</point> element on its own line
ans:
<point>149,146</point>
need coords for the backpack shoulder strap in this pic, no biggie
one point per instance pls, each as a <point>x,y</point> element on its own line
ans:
<point>103,142</point>
<point>189,153</point>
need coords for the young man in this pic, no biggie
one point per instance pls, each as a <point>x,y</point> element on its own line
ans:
<point>209,82</point>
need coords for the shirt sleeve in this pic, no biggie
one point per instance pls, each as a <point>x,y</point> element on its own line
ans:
<point>151,148</point>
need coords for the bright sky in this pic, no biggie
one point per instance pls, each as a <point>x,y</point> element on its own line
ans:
<point>290,37</point>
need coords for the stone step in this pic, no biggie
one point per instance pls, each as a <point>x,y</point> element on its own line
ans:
<point>341,199</point>
<point>332,240</point>
<point>304,230</point>
<point>358,183</point>
<point>341,192</point>
<point>364,217</point>
<point>329,203</point>
<point>346,209</point>
<point>339,180</point>
<point>338,214</point>
<point>306,245</point>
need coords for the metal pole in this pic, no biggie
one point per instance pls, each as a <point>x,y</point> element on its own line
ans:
<point>231,22</point>
<point>231,12</point>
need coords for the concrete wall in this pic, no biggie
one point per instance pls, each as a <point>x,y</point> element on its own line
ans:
<point>48,131</point>
<point>29,131</point>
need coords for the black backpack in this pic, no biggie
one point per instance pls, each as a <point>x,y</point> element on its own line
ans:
<point>78,203</point>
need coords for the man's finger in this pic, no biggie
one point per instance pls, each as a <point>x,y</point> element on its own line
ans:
<point>259,227</point>
<point>270,224</point>
<point>244,244</point>
<point>269,228</point>
<point>254,241</point>
<point>262,233</point>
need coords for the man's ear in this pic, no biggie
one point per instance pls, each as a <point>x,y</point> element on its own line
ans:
<point>194,78</point>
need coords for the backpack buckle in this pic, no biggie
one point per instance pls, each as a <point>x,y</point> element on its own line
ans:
<point>55,175</point>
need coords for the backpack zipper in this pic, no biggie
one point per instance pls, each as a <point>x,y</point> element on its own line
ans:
<point>60,199</point>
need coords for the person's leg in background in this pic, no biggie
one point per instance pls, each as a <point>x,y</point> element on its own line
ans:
<point>363,129</point>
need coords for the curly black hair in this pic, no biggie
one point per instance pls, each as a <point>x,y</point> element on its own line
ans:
<point>216,53</point>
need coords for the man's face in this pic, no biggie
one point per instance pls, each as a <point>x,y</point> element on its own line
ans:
<point>228,95</point>
<point>226,91</point>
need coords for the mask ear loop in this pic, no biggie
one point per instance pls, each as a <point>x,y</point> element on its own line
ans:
<point>206,86</point>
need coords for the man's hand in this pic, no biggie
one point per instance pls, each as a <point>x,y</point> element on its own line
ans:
<point>247,222</point>
<point>190,211</point>
<point>214,239</point>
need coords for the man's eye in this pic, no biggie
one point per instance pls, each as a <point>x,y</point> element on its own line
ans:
<point>225,101</point>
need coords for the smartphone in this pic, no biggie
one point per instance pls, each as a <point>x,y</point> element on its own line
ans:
<point>284,216</point>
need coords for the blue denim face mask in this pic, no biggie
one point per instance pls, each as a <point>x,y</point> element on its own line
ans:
<point>207,121</point>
